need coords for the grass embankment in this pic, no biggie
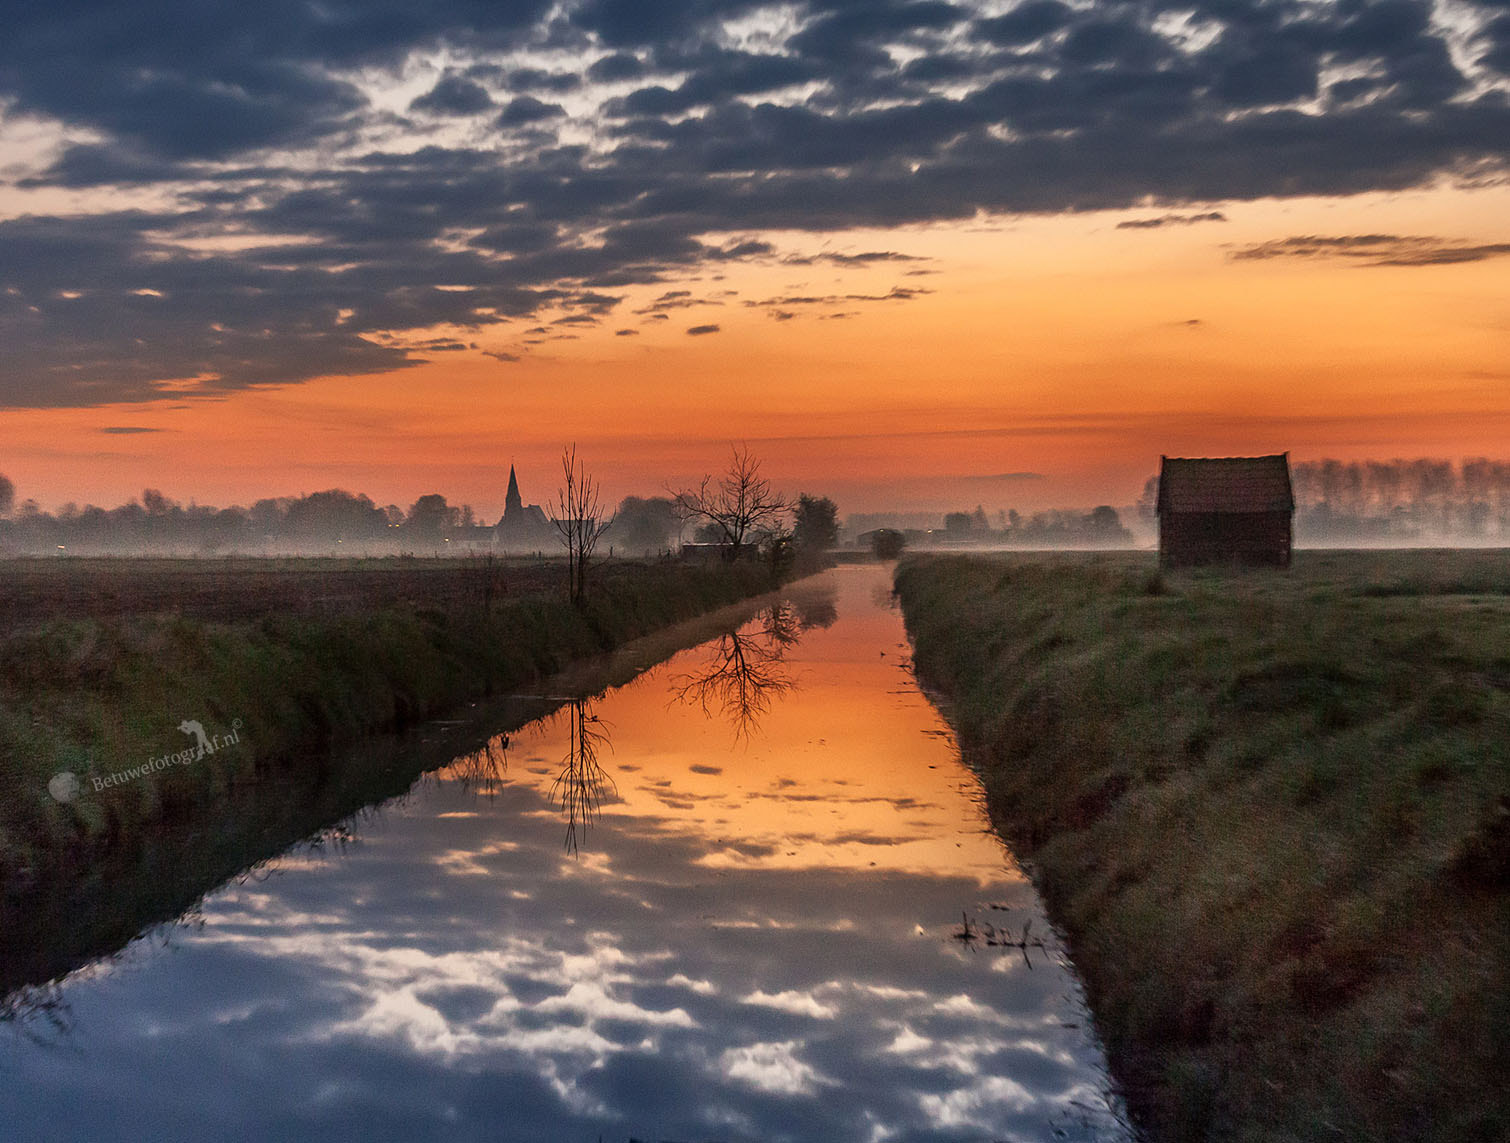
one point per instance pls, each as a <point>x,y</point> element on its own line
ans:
<point>1271,812</point>
<point>105,694</point>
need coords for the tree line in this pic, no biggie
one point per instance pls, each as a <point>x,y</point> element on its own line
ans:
<point>738,511</point>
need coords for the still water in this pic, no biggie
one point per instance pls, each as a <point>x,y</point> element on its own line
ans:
<point>748,896</point>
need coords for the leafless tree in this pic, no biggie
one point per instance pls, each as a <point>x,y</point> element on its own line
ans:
<point>583,783</point>
<point>745,671</point>
<point>578,517</point>
<point>741,505</point>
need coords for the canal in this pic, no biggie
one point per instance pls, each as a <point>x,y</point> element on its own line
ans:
<point>749,895</point>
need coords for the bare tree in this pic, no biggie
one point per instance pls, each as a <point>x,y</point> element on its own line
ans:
<point>578,516</point>
<point>583,782</point>
<point>740,505</point>
<point>745,671</point>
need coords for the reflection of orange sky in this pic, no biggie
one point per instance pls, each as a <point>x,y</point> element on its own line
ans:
<point>1056,346</point>
<point>851,769</point>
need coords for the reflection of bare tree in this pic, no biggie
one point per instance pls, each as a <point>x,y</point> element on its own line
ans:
<point>34,1006</point>
<point>746,670</point>
<point>582,783</point>
<point>483,771</point>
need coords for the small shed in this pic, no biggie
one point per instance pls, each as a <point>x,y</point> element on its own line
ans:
<point>1235,509</point>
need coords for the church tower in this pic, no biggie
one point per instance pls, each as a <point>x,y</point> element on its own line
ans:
<point>513,503</point>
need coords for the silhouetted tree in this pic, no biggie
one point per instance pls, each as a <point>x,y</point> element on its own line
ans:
<point>7,496</point>
<point>958,524</point>
<point>578,517</point>
<point>741,504</point>
<point>429,518</point>
<point>1104,527</point>
<point>817,526</point>
<point>339,515</point>
<point>642,525</point>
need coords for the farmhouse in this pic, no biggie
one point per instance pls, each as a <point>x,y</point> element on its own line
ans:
<point>1236,509</point>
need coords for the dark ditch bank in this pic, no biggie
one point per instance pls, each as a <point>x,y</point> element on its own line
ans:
<point>1270,812</point>
<point>84,909</point>
<point>113,728</point>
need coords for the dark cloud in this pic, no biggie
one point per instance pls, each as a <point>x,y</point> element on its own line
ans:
<point>534,79</point>
<point>868,258</point>
<point>616,67</point>
<point>1375,249</point>
<point>255,123</point>
<point>1026,22</point>
<point>699,330</point>
<point>527,109</point>
<point>454,95</point>
<point>897,294</point>
<point>128,430</point>
<point>1171,220</point>
<point>677,300</point>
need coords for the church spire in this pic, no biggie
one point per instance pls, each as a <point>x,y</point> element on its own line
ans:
<point>512,501</point>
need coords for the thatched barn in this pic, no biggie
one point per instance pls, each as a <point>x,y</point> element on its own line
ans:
<point>1236,509</point>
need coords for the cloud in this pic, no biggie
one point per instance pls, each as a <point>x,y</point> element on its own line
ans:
<point>355,216</point>
<point>526,109</point>
<point>868,258</point>
<point>128,430</point>
<point>1374,249</point>
<point>699,330</point>
<point>779,307</point>
<point>677,300</point>
<point>1171,220</point>
<point>454,95</point>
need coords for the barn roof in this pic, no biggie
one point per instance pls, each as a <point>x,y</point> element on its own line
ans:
<point>1226,484</point>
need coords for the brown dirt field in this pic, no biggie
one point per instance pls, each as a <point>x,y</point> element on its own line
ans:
<point>35,590</point>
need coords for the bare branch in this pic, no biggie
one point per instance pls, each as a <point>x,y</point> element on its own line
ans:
<point>578,517</point>
<point>740,504</point>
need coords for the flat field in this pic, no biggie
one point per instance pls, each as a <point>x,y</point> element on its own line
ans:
<point>38,589</point>
<point>1271,811</point>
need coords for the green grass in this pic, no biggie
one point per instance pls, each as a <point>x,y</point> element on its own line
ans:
<point>1271,813</point>
<point>100,695</point>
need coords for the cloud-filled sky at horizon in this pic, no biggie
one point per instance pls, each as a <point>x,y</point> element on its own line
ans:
<point>255,250</point>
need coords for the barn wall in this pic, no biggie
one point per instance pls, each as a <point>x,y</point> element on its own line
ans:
<point>1256,538</point>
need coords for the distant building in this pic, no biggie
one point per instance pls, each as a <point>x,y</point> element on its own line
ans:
<point>1237,509</point>
<point>523,527</point>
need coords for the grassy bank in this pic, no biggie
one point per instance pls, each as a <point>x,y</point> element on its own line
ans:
<point>104,695</point>
<point>1272,815</point>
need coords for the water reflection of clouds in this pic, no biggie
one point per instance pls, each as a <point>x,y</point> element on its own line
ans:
<point>457,975</point>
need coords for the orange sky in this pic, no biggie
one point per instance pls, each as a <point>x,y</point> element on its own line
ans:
<point>1058,346</point>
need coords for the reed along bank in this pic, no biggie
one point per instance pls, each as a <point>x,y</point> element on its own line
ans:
<point>1271,814</point>
<point>138,691</point>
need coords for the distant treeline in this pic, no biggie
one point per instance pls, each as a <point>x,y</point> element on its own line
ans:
<point>333,521</point>
<point>1058,528</point>
<point>1394,501</point>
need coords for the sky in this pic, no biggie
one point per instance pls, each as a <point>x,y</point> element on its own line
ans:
<point>915,254</point>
